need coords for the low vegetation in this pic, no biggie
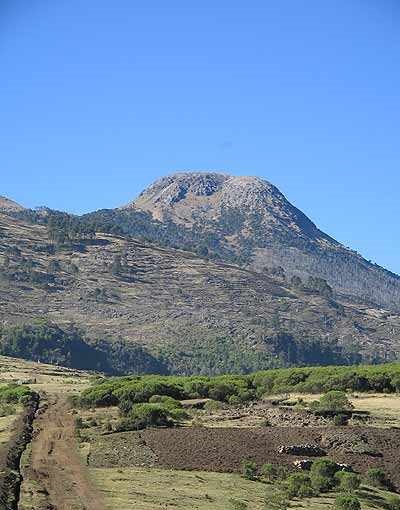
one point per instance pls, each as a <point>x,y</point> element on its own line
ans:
<point>235,389</point>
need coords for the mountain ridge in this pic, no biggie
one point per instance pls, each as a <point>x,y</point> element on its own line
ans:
<point>265,229</point>
<point>144,306</point>
<point>247,221</point>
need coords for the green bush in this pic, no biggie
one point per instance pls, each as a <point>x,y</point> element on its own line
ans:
<point>249,470</point>
<point>146,415</point>
<point>347,482</point>
<point>234,400</point>
<point>269,472</point>
<point>376,477</point>
<point>298,485</point>
<point>128,391</point>
<point>322,474</point>
<point>212,405</point>
<point>393,502</point>
<point>333,401</point>
<point>13,393</point>
<point>347,502</point>
<point>168,402</point>
<point>340,420</point>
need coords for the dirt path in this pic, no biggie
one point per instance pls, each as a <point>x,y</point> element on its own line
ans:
<point>55,464</point>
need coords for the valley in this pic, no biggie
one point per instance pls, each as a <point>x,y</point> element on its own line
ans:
<point>78,458</point>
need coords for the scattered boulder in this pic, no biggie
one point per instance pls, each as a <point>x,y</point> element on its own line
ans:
<point>305,465</point>
<point>311,450</point>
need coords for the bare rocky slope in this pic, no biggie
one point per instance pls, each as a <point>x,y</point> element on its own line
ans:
<point>7,205</point>
<point>148,308</point>
<point>247,220</point>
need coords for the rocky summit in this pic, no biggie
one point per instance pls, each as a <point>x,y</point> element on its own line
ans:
<point>248,221</point>
<point>202,273</point>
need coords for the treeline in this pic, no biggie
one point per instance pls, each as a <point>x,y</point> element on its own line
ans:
<point>48,343</point>
<point>128,391</point>
<point>69,346</point>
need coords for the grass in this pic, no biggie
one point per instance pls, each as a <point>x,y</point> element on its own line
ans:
<point>42,377</point>
<point>149,488</point>
<point>384,408</point>
<point>6,427</point>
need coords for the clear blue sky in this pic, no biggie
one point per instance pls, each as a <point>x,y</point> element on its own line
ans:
<point>99,98</point>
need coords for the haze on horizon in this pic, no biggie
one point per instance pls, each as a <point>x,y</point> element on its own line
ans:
<point>99,100</point>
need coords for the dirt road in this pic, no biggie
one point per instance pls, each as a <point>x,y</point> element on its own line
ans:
<point>55,465</point>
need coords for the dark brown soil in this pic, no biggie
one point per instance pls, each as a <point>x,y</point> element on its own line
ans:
<point>221,449</point>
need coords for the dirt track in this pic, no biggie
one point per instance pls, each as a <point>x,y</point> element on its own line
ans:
<point>55,465</point>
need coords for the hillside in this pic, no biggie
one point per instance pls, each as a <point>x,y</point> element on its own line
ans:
<point>247,220</point>
<point>7,205</point>
<point>120,305</point>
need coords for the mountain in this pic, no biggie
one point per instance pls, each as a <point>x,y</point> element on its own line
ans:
<point>7,205</point>
<point>247,220</point>
<point>72,294</point>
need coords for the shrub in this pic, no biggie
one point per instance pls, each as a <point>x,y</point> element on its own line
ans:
<point>146,415</point>
<point>340,420</point>
<point>178,414</point>
<point>276,499</point>
<point>249,470</point>
<point>166,401</point>
<point>299,485</point>
<point>348,482</point>
<point>322,474</point>
<point>12,394</point>
<point>347,502</point>
<point>393,502</point>
<point>234,400</point>
<point>377,477</point>
<point>78,423</point>
<point>212,405</point>
<point>269,471</point>
<point>333,401</point>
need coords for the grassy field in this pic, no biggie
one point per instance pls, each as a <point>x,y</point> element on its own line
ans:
<point>148,489</point>
<point>41,377</point>
<point>383,408</point>
<point>152,489</point>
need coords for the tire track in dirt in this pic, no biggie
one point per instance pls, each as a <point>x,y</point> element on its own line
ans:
<point>55,464</point>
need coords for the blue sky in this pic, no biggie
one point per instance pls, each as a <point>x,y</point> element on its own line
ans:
<point>99,98</point>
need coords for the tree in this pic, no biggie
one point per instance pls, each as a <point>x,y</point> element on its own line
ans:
<point>347,502</point>
<point>269,471</point>
<point>249,469</point>
<point>348,482</point>
<point>333,401</point>
<point>377,477</point>
<point>299,485</point>
<point>322,474</point>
